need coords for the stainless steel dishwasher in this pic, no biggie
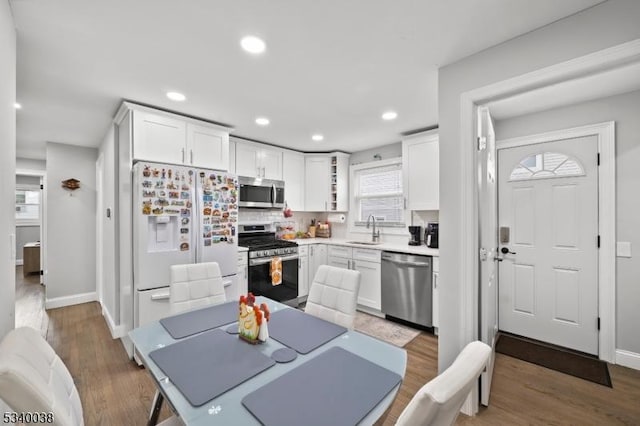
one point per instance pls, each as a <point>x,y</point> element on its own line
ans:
<point>406,287</point>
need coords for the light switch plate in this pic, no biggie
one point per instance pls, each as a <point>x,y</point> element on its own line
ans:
<point>623,249</point>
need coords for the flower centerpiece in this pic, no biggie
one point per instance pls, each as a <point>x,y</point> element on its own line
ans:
<point>252,320</point>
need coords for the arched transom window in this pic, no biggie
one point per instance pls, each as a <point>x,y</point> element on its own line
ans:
<point>546,165</point>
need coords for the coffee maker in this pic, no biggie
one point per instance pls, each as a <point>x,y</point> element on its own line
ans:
<point>431,235</point>
<point>414,235</point>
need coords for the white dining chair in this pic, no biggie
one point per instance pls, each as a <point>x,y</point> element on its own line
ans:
<point>438,402</point>
<point>34,379</point>
<point>333,295</point>
<point>195,286</point>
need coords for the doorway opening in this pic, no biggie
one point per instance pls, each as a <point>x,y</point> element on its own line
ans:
<point>30,251</point>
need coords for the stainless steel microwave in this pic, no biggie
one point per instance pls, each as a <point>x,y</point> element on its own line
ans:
<point>261,193</point>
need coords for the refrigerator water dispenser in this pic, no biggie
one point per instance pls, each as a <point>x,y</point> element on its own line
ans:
<point>163,233</point>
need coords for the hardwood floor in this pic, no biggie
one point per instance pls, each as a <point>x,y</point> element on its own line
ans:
<point>115,391</point>
<point>30,310</point>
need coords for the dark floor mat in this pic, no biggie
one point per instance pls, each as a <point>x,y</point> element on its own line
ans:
<point>559,359</point>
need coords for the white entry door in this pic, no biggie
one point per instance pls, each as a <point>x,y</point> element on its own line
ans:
<point>548,216</point>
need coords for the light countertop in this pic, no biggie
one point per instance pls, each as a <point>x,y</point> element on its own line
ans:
<point>240,248</point>
<point>402,248</point>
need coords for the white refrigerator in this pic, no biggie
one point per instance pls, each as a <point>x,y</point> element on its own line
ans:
<point>180,215</point>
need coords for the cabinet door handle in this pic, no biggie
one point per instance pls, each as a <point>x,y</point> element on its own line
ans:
<point>191,155</point>
<point>435,282</point>
<point>353,264</point>
<point>182,150</point>
<point>264,173</point>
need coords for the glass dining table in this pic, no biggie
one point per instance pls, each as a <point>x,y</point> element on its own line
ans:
<point>227,408</point>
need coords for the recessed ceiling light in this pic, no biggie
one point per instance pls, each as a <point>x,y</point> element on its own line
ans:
<point>262,121</point>
<point>389,115</point>
<point>17,106</point>
<point>317,137</point>
<point>253,44</point>
<point>176,96</point>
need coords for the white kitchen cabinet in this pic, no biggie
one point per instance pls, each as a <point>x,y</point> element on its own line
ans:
<point>207,147</point>
<point>339,262</point>
<point>258,160</point>
<point>367,262</point>
<point>317,257</point>
<point>293,176</point>
<point>326,182</point>
<point>170,138</point>
<point>370,294</point>
<point>435,293</point>
<point>317,180</point>
<point>243,273</point>
<point>158,138</point>
<point>421,171</point>
<point>303,273</point>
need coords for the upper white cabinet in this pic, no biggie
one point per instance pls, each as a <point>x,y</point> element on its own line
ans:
<point>293,176</point>
<point>207,147</point>
<point>317,175</point>
<point>420,159</point>
<point>326,182</point>
<point>170,138</point>
<point>258,160</point>
<point>158,138</point>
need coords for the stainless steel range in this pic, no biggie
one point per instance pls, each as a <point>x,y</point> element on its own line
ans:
<point>273,263</point>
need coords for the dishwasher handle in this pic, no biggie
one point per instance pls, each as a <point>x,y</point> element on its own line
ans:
<point>405,263</point>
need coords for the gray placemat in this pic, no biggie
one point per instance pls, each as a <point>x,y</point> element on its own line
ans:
<point>302,332</point>
<point>193,322</point>
<point>206,366</point>
<point>334,388</point>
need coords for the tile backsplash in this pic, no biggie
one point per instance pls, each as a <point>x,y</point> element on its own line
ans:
<point>301,219</point>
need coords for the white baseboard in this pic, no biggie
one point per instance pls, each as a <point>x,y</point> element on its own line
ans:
<point>76,299</point>
<point>19,262</point>
<point>117,331</point>
<point>628,359</point>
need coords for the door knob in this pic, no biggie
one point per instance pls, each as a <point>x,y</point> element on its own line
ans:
<point>505,250</point>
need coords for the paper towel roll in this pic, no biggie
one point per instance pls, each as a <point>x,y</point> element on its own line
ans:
<point>336,218</point>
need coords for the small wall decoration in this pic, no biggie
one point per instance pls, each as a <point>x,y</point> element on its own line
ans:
<point>71,184</point>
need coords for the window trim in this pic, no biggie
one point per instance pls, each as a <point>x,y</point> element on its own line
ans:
<point>356,226</point>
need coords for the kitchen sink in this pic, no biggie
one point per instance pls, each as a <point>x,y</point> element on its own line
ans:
<point>366,243</point>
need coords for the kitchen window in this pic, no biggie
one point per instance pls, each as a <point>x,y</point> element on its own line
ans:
<point>377,191</point>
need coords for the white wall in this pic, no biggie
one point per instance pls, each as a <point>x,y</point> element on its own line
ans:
<point>625,111</point>
<point>602,26</point>
<point>109,283</point>
<point>7,167</point>
<point>385,152</point>
<point>30,164</point>
<point>71,221</point>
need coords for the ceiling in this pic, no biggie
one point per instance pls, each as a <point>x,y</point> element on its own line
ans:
<point>331,67</point>
<point>621,79</point>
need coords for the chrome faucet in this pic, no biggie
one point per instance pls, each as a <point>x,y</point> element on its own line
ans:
<point>375,235</point>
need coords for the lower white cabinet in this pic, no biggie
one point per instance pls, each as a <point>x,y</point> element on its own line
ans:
<point>317,257</point>
<point>243,275</point>
<point>367,262</point>
<point>434,284</point>
<point>303,273</point>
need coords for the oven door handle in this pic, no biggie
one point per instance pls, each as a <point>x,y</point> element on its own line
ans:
<point>262,261</point>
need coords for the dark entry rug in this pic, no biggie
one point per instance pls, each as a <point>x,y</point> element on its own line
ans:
<point>556,358</point>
